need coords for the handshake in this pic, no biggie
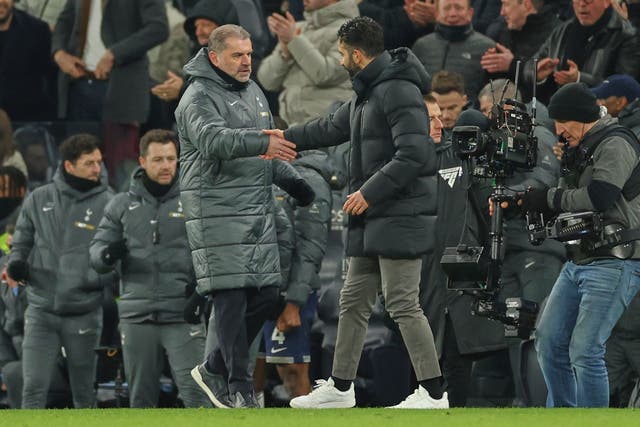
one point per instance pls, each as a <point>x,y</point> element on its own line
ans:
<point>279,148</point>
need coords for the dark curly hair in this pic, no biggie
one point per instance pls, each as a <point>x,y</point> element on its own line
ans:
<point>364,34</point>
<point>77,145</point>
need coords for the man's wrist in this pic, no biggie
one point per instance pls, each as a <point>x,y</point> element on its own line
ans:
<point>58,54</point>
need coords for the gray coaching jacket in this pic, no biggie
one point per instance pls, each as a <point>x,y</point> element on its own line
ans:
<point>157,268</point>
<point>54,229</point>
<point>225,187</point>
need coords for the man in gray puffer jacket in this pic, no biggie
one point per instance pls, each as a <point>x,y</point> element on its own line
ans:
<point>50,254</point>
<point>144,228</point>
<point>226,173</point>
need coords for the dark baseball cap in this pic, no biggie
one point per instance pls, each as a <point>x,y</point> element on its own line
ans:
<point>618,85</point>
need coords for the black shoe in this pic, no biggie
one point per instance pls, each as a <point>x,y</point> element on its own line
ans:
<point>215,386</point>
<point>246,400</point>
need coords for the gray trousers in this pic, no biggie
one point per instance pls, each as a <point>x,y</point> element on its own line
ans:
<point>44,334</point>
<point>143,348</point>
<point>399,280</point>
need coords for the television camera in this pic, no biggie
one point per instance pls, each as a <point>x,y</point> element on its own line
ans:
<point>496,152</point>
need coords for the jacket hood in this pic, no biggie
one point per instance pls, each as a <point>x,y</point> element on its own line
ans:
<point>322,17</point>
<point>396,64</point>
<point>318,161</point>
<point>200,67</point>
<point>219,11</point>
<point>63,186</point>
<point>137,188</point>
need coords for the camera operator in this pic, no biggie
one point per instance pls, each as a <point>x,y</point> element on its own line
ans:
<point>596,284</point>
<point>528,271</point>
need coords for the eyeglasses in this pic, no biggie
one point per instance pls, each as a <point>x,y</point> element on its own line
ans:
<point>583,1</point>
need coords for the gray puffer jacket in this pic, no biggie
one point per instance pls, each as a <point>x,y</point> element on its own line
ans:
<point>53,233</point>
<point>225,187</point>
<point>157,268</point>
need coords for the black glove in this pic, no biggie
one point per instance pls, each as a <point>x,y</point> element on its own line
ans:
<point>114,251</point>
<point>18,270</point>
<point>193,308</point>
<point>302,192</point>
<point>535,200</point>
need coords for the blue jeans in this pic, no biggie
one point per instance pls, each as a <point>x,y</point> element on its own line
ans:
<point>583,307</point>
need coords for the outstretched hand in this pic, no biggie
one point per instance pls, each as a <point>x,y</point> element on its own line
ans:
<point>279,148</point>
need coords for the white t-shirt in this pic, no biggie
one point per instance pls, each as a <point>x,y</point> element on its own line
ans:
<point>94,48</point>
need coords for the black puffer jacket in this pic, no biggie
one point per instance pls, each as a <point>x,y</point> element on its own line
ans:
<point>391,158</point>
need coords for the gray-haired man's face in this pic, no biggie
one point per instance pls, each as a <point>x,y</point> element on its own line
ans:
<point>235,59</point>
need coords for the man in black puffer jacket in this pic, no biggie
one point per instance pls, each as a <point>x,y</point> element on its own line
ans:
<point>391,207</point>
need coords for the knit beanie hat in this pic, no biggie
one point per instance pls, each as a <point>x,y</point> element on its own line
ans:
<point>575,102</point>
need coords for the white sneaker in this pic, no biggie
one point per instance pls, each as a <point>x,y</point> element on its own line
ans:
<point>420,399</point>
<point>260,399</point>
<point>325,395</point>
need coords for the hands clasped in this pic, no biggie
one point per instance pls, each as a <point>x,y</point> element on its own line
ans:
<point>279,148</point>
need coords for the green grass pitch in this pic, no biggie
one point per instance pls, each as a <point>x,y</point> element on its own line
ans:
<point>467,417</point>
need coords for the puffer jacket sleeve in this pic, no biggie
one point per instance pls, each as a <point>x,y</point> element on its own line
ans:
<point>109,230</point>
<point>208,132</point>
<point>409,124</point>
<point>333,129</point>
<point>312,232</point>
<point>24,236</point>
<point>285,176</point>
